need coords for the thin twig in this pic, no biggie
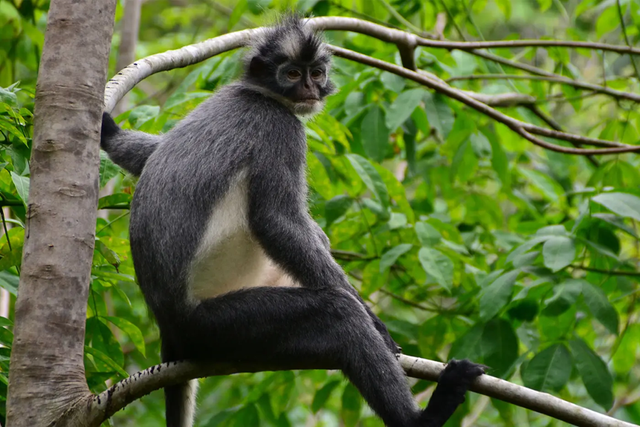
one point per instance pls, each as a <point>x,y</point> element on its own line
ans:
<point>553,78</point>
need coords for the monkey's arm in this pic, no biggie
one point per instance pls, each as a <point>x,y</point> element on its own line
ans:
<point>127,148</point>
<point>279,218</point>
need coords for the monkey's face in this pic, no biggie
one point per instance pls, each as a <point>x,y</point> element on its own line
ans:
<point>305,86</point>
<point>291,63</point>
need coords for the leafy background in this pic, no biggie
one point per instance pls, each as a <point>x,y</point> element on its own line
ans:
<point>464,238</point>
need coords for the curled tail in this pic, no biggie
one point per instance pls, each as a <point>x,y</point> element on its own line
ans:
<point>127,148</point>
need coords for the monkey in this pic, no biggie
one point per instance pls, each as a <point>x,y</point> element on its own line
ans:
<point>226,253</point>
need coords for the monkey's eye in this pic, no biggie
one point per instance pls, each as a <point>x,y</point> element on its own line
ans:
<point>316,74</point>
<point>294,74</point>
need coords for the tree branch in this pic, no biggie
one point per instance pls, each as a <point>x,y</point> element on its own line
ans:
<point>410,41</point>
<point>526,130</point>
<point>100,407</point>
<point>134,73</point>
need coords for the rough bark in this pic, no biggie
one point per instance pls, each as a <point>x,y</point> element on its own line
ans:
<point>47,372</point>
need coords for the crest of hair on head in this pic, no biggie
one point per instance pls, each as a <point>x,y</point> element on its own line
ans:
<point>290,39</point>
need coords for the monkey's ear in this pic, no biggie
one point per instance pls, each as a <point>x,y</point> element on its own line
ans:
<point>257,67</point>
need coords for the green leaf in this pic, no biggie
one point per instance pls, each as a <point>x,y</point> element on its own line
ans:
<point>351,406</point>
<point>438,266</point>
<point>549,188</point>
<point>427,234</point>
<point>143,114</point>
<point>11,254</point>
<point>396,191</point>
<point>499,347</point>
<point>505,7</point>
<point>464,162</point>
<point>22,186</point>
<point>403,106</point>
<point>6,337</point>
<point>322,395</point>
<point>375,134</point>
<point>106,360</point>
<point>391,256</point>
<point>113,201</point>
<point>599,306</point>
<point>468,346</point>
<point>108,169</point>
<point>132,331</point>
<point>8,97</point>
<point>373,278</point>
<point>318,178</point>
<point>499,161</point>
<point>624,204</point>
<point>353,103</point>
<point>595,375</point>
<point>565,295</point>
<point>247,416</point>
<point>545,4</point>
<point>524,309</point>
<point>617,222</point>
<point>439,113</point>
<point>111,257</point>
<point>371,179</point>
<point>624,360</point>
<point>497,295</point>
<point>392,82</point>
<point>9,282</point>
<point>607,21</point>
<point>548,370</point>
<point>336,208</point>
<point>558,252</point>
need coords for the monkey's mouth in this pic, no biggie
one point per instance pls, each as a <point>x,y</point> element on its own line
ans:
<point>308,101</point>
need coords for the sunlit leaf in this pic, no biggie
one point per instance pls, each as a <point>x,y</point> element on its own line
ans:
<point>624,204</point>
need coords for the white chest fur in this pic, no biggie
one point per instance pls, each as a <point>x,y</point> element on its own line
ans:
<point>229,257</point>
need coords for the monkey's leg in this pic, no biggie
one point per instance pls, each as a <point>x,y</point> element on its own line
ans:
<point>290,324</point>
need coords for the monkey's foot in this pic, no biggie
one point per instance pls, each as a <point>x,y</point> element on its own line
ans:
<point>459,374</point>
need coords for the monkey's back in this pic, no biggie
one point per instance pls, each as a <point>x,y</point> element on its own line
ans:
<point>189,176</point>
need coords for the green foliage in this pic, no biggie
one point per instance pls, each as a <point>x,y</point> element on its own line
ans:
<point>464,238</point>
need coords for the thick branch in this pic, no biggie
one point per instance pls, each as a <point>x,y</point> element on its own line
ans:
<point>130,76</point>
<point>105,404</point>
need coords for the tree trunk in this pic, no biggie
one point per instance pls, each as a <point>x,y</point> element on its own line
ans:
<point>47,370</point>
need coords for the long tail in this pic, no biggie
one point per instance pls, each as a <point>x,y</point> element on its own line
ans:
<point>180,401</point>
<point>127,148</point>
